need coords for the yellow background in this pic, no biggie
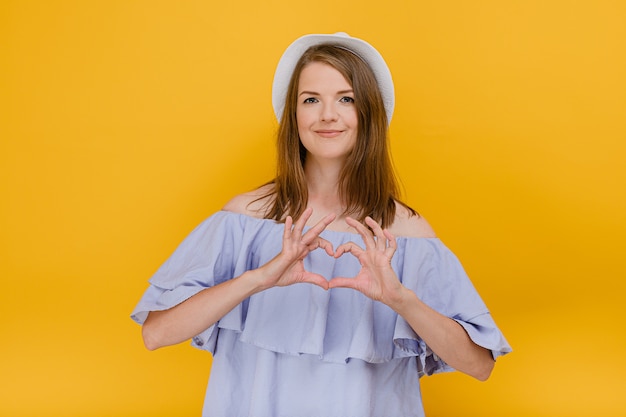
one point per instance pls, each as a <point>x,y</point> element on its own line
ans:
<point>123,124</point>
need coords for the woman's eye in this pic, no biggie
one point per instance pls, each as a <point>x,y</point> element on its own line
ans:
<point>310,100</point>
<point>346,99</point>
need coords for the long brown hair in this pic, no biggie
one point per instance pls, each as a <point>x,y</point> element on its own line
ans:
<point>367,183</point>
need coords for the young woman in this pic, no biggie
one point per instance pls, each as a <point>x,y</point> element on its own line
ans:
<point>380,301</point>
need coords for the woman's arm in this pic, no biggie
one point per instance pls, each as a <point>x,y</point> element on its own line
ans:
<point>197,313</point>
<point>447,338</point>
<point>201,311</point>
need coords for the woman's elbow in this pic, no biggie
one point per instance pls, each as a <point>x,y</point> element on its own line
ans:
<point>148,340</point>
<point>484,372</point>
<point>150,335</point>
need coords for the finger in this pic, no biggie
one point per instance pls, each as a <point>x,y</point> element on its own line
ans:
<point>393,244</point>
<point>366,235</point>
<point>287,230</point>
<point>351,247</point>
<point>299,225</point>
<point>315,279</point>
<point>381,239</point>
<point>342,283</point>
<point>326,245</point>
<point>318,228</point>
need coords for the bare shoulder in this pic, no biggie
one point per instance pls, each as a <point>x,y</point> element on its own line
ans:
<point>253,203</point>
<point>407,224</point>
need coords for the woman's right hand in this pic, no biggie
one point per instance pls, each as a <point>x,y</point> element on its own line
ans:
<point>287,267</point>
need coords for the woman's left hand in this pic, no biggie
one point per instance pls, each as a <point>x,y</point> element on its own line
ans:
<point>376,279</point>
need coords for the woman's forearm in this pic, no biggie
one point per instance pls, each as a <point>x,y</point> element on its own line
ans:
<point>196,314</point>
<point>447,338</point>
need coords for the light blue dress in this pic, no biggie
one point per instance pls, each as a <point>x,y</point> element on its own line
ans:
<point>301,351</point>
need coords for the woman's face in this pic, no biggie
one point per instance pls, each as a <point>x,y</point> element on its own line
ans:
<point>326,113</point>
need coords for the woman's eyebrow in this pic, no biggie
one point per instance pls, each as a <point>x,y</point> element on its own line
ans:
<point>313,93</point>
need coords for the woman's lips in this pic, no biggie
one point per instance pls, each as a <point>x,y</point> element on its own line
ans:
<point>328,133</point>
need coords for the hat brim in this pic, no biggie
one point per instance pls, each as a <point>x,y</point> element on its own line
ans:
<point>364,50</point>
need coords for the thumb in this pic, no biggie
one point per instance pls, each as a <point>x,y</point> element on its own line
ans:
<point>315,279</point>
<point>342,283</point>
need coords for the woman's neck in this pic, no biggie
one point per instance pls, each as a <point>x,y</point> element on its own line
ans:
<point>323,180</point>
<point>324,196</point>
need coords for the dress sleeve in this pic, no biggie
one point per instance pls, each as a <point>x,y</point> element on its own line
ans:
<point>435,274</point>
<point>206,257</point>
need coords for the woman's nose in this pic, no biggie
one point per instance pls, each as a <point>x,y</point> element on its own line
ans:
<point>329,112</point>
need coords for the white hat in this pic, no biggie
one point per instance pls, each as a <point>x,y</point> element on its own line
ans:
<point>364,50</point>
